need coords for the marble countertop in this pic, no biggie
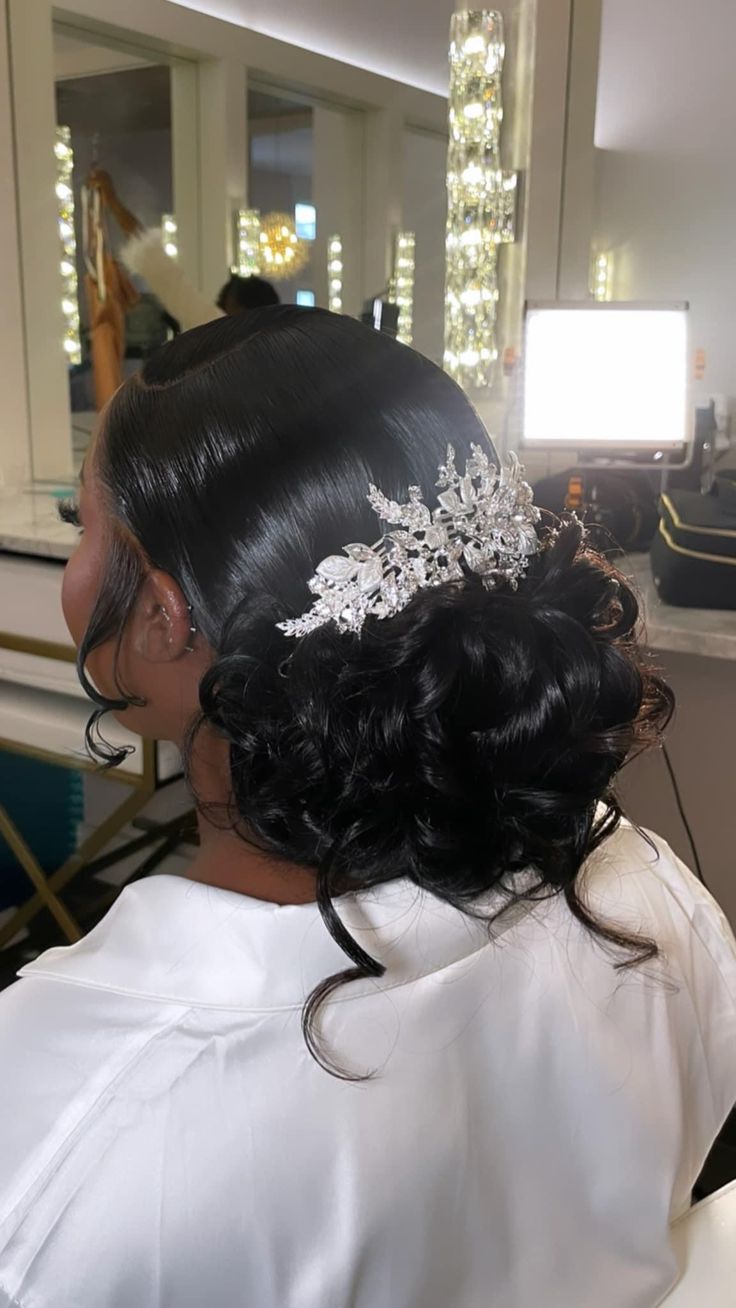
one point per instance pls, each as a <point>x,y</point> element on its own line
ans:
<point>29,525</point>
<point>711,633</point>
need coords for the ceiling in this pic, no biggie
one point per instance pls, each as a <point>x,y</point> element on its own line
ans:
<point>76,57</point>
<point>403,39</point>
<point>666,75</point>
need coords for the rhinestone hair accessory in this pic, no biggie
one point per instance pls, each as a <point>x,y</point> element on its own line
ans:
<point>484,523</point>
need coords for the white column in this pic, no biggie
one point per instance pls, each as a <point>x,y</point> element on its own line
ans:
<point>223,162</point>
<point>15,451</point>
<point>337,193</point>
<point>544,180</point>
<point>185,164</point>
<point>384,143</point>
<point>35,125</point>
<point>579,194</point>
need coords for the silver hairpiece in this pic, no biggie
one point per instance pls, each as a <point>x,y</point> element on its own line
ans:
<point>484,522</point>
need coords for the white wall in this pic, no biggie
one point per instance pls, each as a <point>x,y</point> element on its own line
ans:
<point>670,221</point>
<point>666,168</point>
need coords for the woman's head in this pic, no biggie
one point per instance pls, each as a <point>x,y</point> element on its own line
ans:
<point>466,738</point>
<point>236,459</point>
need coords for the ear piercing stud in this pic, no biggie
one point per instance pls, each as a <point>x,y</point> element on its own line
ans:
<point>189,649</point>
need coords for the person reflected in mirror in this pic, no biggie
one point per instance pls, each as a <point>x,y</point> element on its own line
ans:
<point>144,256</point>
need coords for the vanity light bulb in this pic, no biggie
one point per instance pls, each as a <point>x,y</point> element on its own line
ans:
<point>249,239</point>
<point>169,231</point>
<point>472,175</point>
<point>600,281</point>
<point>335,270</point>
<point>64,157</point>
<point>403,285</point>
<point>469,358</point>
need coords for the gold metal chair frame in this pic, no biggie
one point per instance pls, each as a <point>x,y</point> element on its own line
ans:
<point>47,888</point>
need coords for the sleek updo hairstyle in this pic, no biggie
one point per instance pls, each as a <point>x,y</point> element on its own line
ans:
<point>471,737</point>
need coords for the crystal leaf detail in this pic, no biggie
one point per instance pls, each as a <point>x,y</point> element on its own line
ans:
<point>484,523</point>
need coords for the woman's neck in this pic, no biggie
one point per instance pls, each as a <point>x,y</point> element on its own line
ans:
<point>227,861</point>
<point>225,858</point>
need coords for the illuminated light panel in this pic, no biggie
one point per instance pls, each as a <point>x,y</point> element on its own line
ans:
<point>334,271</point>
<point>64,156</point>
<point>402,285</point>
<point>482,197</point>
<point>170,235</point>
<point>606,376</point>
<point>247,242</point>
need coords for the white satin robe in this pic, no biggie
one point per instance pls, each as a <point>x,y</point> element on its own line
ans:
<point>535,1122</point>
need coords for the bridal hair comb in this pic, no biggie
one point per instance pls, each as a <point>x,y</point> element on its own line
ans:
<point>484,523</point>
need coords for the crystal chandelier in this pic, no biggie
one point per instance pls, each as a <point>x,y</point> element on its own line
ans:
<point>481,196</point>
<point>282,254</point>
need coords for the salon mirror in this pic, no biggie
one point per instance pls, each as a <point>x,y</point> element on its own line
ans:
<point>114,111</point>
<point>191,127</point>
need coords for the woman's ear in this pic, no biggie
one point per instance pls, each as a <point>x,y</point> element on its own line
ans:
<point>161,625</point>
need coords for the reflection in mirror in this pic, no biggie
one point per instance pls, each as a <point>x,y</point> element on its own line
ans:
<point>280,168</point>
<point>116,107</point>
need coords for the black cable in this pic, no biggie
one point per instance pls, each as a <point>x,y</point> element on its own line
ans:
<point>683,816</point>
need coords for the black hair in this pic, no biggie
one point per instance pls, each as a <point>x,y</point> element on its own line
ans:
<point>473,736</point>
<point>247,293</point>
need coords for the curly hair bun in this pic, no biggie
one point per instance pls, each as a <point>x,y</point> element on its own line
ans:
<point>469,737</point>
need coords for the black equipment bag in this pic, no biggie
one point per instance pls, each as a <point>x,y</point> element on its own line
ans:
<point>694,551</point>
<point>620,507</point>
